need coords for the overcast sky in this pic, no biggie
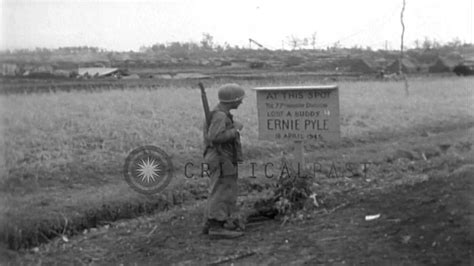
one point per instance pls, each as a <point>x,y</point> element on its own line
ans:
<point>126,25</point>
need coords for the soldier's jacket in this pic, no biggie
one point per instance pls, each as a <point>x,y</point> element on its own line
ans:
<point>222,142</point>
<point>222,150</point>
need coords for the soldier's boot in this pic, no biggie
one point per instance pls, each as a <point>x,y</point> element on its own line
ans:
<point>223,233</point>
<point>211,223</point>
<point>218,230</point>
<point>235,224</point>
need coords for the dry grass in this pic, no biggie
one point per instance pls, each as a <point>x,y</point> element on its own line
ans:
<point>58,145</point>
<point>82,138</point>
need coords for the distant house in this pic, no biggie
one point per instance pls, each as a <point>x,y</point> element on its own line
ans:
<point>62,73</point>
<point>99,72</point>
<point>132,76</point>
<point>204,62</point>
<point>380,62</point>
<point>443,65</point>
<point>455,56</point>
<point>256,64</point>
<point>408,66</point>
<point>42,69</point>
<point>10,69</point>
<point>34,71</point>
<point>239,63</point>
<point>360,65</point>
<point>353,65</point>
<point>465,68</point>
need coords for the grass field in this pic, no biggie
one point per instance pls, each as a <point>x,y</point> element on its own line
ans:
<point>63,152</point>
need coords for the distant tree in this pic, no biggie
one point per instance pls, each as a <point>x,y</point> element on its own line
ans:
<point>144,49</point>
<point>313,40</point>
<point>193,47</point>
<point>293,42</point>
<point>219,49</point>
<point>455,43</point>
<point>305,42</point>
<point>207,41</point>
<point>110,56</point>
<point>44,53</point>
<point>417,43</point>
<point>436,44</point>
<point>158,47</point>
<point>336,45</point>
<point>177,50</point>
<point>427,44</point>
<point>227,46</point>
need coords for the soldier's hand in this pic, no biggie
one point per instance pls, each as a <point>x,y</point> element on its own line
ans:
<point>238,125</point>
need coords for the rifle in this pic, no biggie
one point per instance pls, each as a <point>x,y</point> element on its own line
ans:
<point>205,104</point>
<point>207,112</point>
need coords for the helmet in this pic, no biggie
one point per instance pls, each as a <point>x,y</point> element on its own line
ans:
<point>230,93</point>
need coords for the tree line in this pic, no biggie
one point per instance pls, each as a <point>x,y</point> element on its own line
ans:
<point>207,47</point>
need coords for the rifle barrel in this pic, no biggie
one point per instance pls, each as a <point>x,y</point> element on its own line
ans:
<point>205,104</point>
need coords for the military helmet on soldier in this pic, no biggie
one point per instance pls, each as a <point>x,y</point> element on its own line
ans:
<point>231,93</point>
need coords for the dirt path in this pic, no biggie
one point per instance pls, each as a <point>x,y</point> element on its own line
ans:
<point>426,217</point>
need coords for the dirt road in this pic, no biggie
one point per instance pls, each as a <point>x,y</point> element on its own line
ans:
<point>421,188</point>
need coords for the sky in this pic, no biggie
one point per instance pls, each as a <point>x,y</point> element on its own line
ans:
<point>124,25</point>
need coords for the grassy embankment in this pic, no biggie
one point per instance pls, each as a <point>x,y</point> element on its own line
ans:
<point>63,152</point>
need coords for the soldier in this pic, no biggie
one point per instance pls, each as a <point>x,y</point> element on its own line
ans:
<point>222,153</point>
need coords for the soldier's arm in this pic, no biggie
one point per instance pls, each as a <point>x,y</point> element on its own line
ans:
<point>217,130</point>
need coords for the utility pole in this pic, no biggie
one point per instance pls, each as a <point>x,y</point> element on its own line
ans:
<point>400,61</point>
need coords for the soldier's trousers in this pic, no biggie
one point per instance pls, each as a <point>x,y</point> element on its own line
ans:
<point>222,199</point>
